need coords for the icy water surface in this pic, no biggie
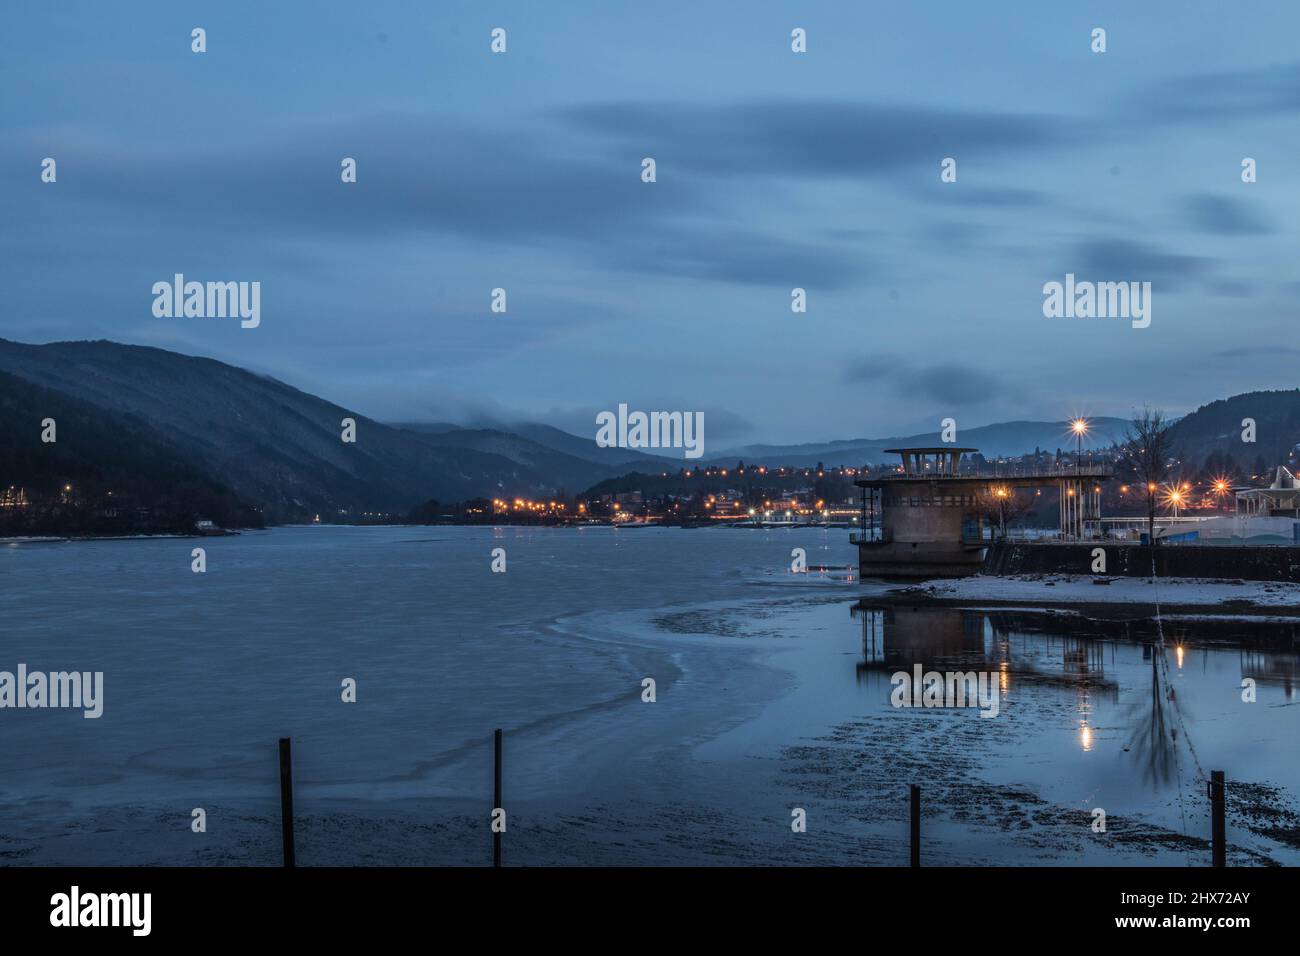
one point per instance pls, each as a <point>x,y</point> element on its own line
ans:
<point>773,693</point>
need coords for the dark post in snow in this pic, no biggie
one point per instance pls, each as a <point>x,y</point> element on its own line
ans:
<point>286,800</point>
<point>916,825</point>
<point>496,796</point>
<point>1218,825</point>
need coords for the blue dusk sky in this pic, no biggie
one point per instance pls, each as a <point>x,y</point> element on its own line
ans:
<point>775,170</point>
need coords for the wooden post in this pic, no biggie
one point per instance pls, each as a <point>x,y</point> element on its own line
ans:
<point>286,800</point>
<point>1218,824</point>
<point>496,795</point>
<point>916,825</point>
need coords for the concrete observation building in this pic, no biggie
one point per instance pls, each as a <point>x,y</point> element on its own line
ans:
<point>927,518</point>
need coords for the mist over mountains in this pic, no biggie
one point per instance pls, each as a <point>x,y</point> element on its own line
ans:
<point>280,449</point>
<point>147,419</point>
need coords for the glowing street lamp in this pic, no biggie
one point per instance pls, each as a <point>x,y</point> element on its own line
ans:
<point>1080,428</point>
<point>1002,493</point>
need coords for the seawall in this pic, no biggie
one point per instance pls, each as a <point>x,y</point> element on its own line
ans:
<point>1134,560</point>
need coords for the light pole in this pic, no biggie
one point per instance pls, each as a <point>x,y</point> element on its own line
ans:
<point>1080,428</point>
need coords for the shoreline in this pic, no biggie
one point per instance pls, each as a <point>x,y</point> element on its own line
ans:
<point>143,536</point>
<point>1116,599</point>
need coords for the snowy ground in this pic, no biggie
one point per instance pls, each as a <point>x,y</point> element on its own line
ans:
<point>1086,589</point>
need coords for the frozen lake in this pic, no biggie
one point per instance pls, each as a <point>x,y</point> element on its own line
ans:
<point>773,693</point>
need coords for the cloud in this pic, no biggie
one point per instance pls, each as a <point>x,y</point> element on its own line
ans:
<point>996,197</point>
<point>946,382</point>
<point>810,137</point>
<point>1224,96</point>
<point>1224,216</point>
<point>426,176</point>
<point>732,255</point>
<point>1257,351</point>
<point>720,424</point>
<point>1123,260</point>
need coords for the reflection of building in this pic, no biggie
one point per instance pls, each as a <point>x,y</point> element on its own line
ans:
<point>896,637</point>
<point>1266,667</point>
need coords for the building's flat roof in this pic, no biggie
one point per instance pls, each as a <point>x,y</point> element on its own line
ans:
<point>1267,492</point>
<point>1026,480</point>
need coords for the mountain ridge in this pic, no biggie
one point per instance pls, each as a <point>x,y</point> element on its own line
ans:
<point>280,449</point>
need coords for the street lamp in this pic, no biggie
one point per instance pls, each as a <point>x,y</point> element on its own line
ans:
<point>1080,428</point>
<point>1175,497</point>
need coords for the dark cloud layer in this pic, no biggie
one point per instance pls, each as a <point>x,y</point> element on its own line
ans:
<point>421,175</point>
<point>946,382</point>
<point>1224,216</point>
<point>1124,260</point>
<point>1224,96</point>
<point>811,138</point>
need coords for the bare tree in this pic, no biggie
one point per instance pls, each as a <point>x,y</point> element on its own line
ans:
<point>1145,453</point>
<point>1000,506</point>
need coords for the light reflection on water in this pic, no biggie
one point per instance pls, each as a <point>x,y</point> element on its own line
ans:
<point>758,670</point>
<point>1118,717</point>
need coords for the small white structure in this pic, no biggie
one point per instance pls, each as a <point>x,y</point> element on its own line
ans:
<point>1279,500</point>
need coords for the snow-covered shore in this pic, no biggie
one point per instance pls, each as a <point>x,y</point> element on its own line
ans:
<point>1085,589</point>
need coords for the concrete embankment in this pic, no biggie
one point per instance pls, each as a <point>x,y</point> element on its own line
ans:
<point>1122,598</point>
<point>1133,560</point>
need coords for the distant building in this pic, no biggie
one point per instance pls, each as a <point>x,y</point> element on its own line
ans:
<point>925,518</point>
<point>1281,499</point>
<point>13,497</point>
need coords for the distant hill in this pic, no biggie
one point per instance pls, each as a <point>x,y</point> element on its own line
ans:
<point>149,422</point>
<point>103,473</point>
<point>1216,430</point>
<point>563,470</point>
<point>548,436</point>
<point>278,447</point>
<point>586,447</point>
<point>1007,438</point>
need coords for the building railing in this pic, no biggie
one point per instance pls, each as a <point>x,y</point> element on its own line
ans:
<point>1054,474</point>
<point>870,538</point>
